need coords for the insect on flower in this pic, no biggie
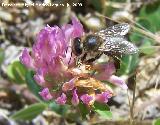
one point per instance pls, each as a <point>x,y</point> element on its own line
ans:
<point>55,68</point>
<point>109,41</point>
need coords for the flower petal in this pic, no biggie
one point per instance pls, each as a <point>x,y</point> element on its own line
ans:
<point>39,77</point>
<point>73,31</point>
<point>46,94</point>
<point>110,68</point>
<point>78,28</point>
<point>118,81</point>
<point>103,97</point>
<point>86,99</point>
<point>62,99</point>
<point>75,100</point>
<point>69,59</point>
<point>105,70</point>
<point>69,85</point>
<point>26,59</point>
<point>68,31</point>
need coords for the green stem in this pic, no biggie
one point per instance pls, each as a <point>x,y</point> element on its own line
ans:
<point>133,101</point>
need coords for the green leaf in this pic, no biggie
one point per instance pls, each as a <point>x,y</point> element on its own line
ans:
<point>121,1</point>
<point>156,122</point>
<point>103,110</point>
<point>148,17</point>
<point>135,37</point>
<point>146,44</point>
<point>128,64</point>
<point>83,110</point>
<point>105,114</point>
<point>97,4</point>
<point>151,8</point>
<point>30,112</point>
<point>152,17</point>
<point>59,109</point>
<point>32,85</point>
<point>101,106</point>
<point>145,22</point>
<point>16,72</point>
<point>147,48</point>
<point>1,56</point>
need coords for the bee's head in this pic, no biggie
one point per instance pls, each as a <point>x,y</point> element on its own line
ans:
<point>77,46</point>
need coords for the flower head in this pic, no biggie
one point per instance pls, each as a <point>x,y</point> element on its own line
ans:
<point>55,68</point>
<point>51,54</point>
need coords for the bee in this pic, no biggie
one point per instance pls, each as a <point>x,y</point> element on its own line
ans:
<point>109,41</point>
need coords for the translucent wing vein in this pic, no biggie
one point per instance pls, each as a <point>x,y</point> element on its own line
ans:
<point>118,45</point>
<point>116,30</point>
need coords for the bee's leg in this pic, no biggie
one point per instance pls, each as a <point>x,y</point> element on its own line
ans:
<point>115,58</point>
<point>117,61</point>
<point>78,62</point>
<point>95,58</point>
<point>84,57</point>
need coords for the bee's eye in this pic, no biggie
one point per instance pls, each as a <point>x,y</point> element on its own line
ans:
<point>77,46</point>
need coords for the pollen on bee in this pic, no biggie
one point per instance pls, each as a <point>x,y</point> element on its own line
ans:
<point>88,67</point>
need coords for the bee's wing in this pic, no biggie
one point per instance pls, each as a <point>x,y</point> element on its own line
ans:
<point>116,30</point>
<point>118,45</point>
